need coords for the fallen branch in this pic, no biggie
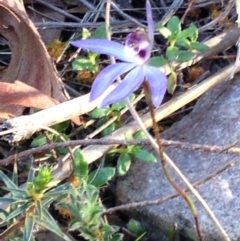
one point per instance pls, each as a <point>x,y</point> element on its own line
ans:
<point>165,143</point>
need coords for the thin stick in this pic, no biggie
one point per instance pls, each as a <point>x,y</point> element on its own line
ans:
<point>115,142</point>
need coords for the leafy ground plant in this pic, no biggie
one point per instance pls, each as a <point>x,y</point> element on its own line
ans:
<point>84,206</point>
<point>127,154</point>
<point>29,206</point>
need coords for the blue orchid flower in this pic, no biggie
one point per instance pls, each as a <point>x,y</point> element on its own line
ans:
<point>135,54</point>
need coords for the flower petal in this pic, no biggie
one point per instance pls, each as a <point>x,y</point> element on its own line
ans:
<point>107,76</point>
<point>131,82</point>
<point>157,82</point>
<point>103,46</point>
<point>138,47</point>
<point>150,21</point>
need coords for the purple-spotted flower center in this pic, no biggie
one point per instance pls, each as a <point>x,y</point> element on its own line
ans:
<point>138,47</point>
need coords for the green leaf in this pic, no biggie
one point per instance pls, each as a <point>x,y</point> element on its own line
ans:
<point>132,149</point>
<point>116,237</point>
<point>30,174</point>
<point>61,127</point>
<point>140,135</point>
<point>184,56</point>
<point>39,141</point>
<point>80,165</point>
<point>121,104</point>
<point>199,46</point>
<point>172,83</point>
<point>86,33</point>
<point>183,43</point>
<point>128,135</point>
<point>99,113</point>
<point>101,176</point>
<point>8,200</point>
<point>7,181</point>
<point>135,227</point>
<point>111,128</point>
<point>191,31</point>
<point>118,106</point>
<point>84,63</point>
<point>172,53</point>
<point>157,61</point>
<point>16,192</point>
<point>194,37</point>
<point>39,207</point>
<point>100,32</point>
<point>123,164</point>
<point>56,195</point>
<point>50,224</point>
<point>28,228</point>
<point>166,33</point>
<point>3,214</point>
<point>60,188</point>
<point>19,211</point>
<point>145,156</point>
<point>174,25</point>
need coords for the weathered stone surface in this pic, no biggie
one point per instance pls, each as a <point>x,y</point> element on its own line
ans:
<point>215,120</point>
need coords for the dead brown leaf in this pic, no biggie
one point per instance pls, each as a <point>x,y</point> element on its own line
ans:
<point>18,93</point>
<point>30,64</point>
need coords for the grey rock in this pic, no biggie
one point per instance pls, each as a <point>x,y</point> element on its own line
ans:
<point>215,120</point>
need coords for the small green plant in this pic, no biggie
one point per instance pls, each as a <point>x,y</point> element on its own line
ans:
<point>85,209</point>
<point>97,177</point>
<point>29,206</point>
<point>105,114</point>
<point>128,153</point>
<point>84,206</point>
<point>181,44</point>
<point>135,227</point>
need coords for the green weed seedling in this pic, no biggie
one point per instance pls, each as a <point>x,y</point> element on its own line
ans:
<point>84,204</point>
<point>29,206</point>
<point>135,227</point>
<point>128,153</point>
<point>181,43</point>
<point>97,177</point>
